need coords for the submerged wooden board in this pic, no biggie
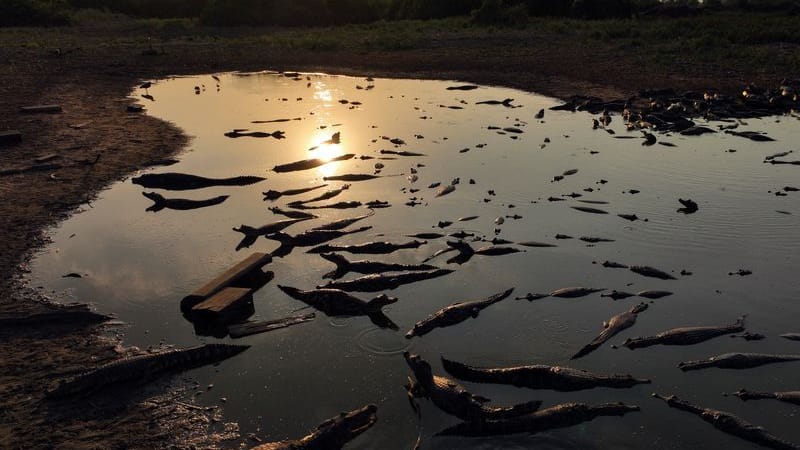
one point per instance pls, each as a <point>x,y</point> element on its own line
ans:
<point>224,305</point>
<point>41,109</point>
<point>248,328</point>
<point>243,269</point>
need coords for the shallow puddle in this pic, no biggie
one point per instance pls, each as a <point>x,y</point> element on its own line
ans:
<point>139,264</point>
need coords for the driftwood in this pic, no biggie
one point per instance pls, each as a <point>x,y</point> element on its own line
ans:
<point>248,328</point>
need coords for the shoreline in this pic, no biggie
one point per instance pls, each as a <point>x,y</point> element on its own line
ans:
<point>92,85</point>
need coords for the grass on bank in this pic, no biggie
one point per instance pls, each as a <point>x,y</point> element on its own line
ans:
<point>731,38</point>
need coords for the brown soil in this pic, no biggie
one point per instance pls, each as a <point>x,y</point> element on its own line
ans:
<point>91,83</point>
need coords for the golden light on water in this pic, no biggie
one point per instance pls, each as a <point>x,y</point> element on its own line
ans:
<point>325,151</point>
<point>322,94</point>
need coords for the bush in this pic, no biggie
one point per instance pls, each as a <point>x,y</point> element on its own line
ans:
<point>163,9</point>
<point>32,12</point>
<point>431,9</point>
<point>495,12</point>
<point>602,9</point>
<point>549,8</point>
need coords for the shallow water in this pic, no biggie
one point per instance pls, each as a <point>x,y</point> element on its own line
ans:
<point>139,264</point>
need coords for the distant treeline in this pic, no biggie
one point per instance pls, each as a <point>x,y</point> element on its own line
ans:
<point>336,12</point>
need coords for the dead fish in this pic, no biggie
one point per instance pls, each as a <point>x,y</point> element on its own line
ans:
<point>611,328</point>
<point>506,102</point>
<point>276,120</point>
<point>531,296</point>
<point>467,219</point>
<point>351,177</point>
<point>494,250</point>
<point>652,272</point>
<point>381,282</point>
<point>574,292</point>
<point>752,135</point>
<point>251,234</point>
<point>741,272</point>
<point>445,190</point>
<point>343,266</point>
<point>292,214</point>
<point>426,235</point>
<point>594,202</point>
<point>274,195</point>
<point>617,295</point>
<point>465,87</point>
<point>653,294</point>
<point>455,314</point>
<point>343,223</point>
<point>587,209</point>
<point>180,204</point>
<point>377,204</point>
<point>403,153</point>
<point>334,140</point>
<point>327,195</point>
<point>777,155</point>
<point>594,239</point>
<point>339,205</point>
<point>256,134</point>
<point>461,234</point>
<point>614,265</point>
<point>536,244</point>
<point>689,206</point>
<point>697,131</point>
<point>307,164</point>
<point>371,248</point>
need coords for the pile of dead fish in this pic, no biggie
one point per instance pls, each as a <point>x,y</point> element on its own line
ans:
<point>660,110</point>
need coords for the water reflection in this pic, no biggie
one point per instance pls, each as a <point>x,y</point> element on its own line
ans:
<point>140,265</point>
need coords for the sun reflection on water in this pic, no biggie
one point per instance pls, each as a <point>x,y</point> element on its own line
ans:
<point>325,150</point>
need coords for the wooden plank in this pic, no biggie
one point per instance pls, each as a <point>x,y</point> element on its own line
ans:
<point>244,269</point>
<point>41,109</point>
<point>225,305</point>
<point>248,328</point>
<point>10,137</point>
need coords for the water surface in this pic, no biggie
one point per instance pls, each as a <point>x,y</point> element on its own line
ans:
<point>139,264</point>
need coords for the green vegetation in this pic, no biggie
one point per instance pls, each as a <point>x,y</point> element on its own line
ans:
<point>337,12</point>
<point>33,12</point>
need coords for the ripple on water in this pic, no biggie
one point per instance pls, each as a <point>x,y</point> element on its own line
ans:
<point>340,322</point>
<point>380,341</point>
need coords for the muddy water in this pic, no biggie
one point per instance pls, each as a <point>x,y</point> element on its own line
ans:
<point>139,264</point>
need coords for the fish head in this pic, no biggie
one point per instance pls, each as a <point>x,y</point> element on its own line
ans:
<point>421,368</point>
<point>382,300</point>
<point>337,431</point>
